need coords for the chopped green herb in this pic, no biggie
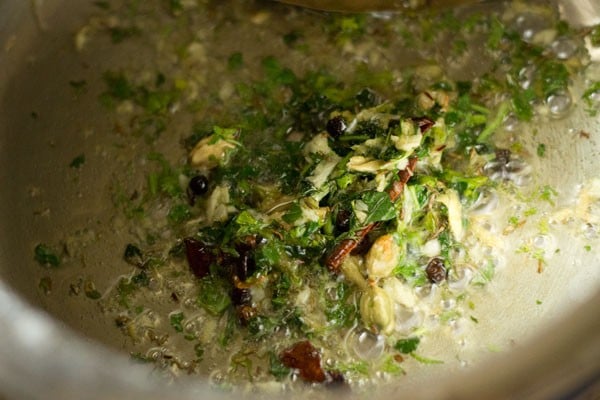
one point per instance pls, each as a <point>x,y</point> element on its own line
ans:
<point>104,5</point>
<point>178,214</point>
<point>595,36</point>
<point>391,366</point>
<point>541,150</point>
<point>374,207</point>
<point>118,87</point>
<point>407,346</point>
<point>235,61</point>
<point>46,256</point>
<point>227,334</point>
<point>78,161</point>
<point>213,296</point>
<point>548,194</point>
<point>119,34</point>
<point>592,90</point>
<point>276,367</point>
<point>199,351</point>
<point>521,104</point>
<point>176,321</point>
<point>174,7</point>
<point>425,360</point>
<point>496,34</point>
<point>358,367</point>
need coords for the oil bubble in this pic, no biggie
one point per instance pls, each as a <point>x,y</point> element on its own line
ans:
<point>458,279</point>
<point>486,202</point>
<point>367,345</point>
<point>529,24</point>
<point>526,76</point>
<point>511,123</point>
<point>559,104</point>
<point>563,48</point>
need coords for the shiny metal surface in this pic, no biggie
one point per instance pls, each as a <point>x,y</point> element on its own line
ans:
<point>60,350</point>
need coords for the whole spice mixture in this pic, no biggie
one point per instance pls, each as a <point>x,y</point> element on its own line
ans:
<point>323,193</point>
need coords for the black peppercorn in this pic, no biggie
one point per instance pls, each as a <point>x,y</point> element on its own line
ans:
<point>342,221</point>
<point>198,185</point>
<point>336,126</point>
<point>436,271</point>
<point>503,156</point>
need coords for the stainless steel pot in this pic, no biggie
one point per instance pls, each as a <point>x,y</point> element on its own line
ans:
<point>56,348</point>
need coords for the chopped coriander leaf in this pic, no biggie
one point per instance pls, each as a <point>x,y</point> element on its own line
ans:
<point>425,360</point>
<point>494,123</point>
<point>548,194</point>
<point>179,213</point>
<point>484,275</point>
<point>118,87</point>
<point>119,34</point>
<point>541,150</point>
<point>166,180</point>
<point>235,61</point>
<point>176,320</point>
<point>593,90</point>
<point>45,255</point>
<point>277,74</point>
<point>199,351</point>
<point>374,207</point>
<point>276,367</point>
<point>358,367</point>
<point>341,312</point>
<point>291,38</point>
<point>213,296</point>
<point>227,335</point>
<point>173,6</point>
<point>407,346</point>
<point>521,104</point>
<point>496,34</point>
<point>554,77</point>
<point>391,366</point>
<point>140,279</point>
<point>595,36</point>
<point>77,162</point>
<point>104,5</point>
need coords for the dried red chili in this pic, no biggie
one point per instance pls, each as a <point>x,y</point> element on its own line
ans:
<point>304,357</point>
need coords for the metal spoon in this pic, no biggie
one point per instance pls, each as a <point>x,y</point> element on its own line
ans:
<point>377,5</point>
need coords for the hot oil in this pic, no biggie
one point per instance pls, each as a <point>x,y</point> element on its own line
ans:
<point>193,49</point>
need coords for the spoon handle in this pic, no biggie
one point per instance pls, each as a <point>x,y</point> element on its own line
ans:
<point>377,5</point>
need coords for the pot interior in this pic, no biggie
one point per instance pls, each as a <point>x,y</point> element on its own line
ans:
<point>49,119</point>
